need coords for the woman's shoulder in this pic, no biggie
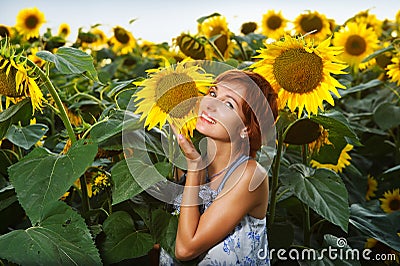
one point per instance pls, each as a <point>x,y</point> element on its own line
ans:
<point>250,174</point>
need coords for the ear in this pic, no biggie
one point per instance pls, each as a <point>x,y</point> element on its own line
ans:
<point>244,133</point>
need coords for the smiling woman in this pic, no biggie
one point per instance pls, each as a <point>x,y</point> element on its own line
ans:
<point>234,117</point>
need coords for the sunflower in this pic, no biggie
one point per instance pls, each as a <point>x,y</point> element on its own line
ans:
<point>100,36</point>
<point>364,17</point>
<point>391,201</point>
<point>371,187</point>
<point>64,30</point>
<point>393,70</point>
<point>248,27</point>
<point>29,21</point>
<point>16,80</point>
<point>100,182</point>
<point>358,42</point>
<point>5,31</point>
<point>171,94</point>
<point>343,161</point>
<point>301,73</point>
<point>214,26</point>
<point>322,140</point>
<point>122,41</point>
<point>32,56</point>
<point>273,24</point>
<point>314,24</point>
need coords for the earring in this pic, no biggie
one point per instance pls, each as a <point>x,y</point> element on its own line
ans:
<point>242,135</point>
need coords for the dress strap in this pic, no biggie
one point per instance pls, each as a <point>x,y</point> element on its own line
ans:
<point>232,168</point>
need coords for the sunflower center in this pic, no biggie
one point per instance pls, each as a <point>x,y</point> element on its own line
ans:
<point>394,204</point>
<point>121,35</point>
<point>310,23</point>
<point>7,82</point>
<point>4,32</point>
<point>274,22</point>
<point>31,22</point>
<point>176,94</point>
<point>355,45</point>
<point>64,30</point>
<point>298,71</point>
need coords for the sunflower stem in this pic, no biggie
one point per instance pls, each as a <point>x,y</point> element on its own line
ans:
<point>64,117</point>
<point>307,227</point>
<point>62,113</point>
<point>170,151</point>
<point>275,185</point>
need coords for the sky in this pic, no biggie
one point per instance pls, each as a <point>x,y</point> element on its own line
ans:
<point>162,20</point>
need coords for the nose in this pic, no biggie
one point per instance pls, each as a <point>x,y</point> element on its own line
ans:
<point>209,104</point>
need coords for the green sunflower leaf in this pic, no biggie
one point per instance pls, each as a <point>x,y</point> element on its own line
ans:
<point>41,177</point>
<point>133,176</point>
<point>69,60</point>
<point>122,240</point>
<point>369,220</point>
<point>320,189</point>
<point>60,237</point>
<point>164,226</point>
<point>26,137</point>
<point>18,113</point>
<point>387,115</point>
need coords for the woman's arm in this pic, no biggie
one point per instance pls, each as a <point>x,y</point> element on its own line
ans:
<point>198,233</point>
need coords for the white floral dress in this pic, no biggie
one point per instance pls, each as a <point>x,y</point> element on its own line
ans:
<point>247,244</point>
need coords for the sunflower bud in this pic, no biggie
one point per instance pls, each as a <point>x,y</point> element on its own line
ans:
<point>248,27</point>
<point>191,46</point>
<point>303,131</point>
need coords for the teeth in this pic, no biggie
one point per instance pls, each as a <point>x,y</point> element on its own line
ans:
<point>207,118</point>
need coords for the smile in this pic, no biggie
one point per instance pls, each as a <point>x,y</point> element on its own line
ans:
<point>207,118</point>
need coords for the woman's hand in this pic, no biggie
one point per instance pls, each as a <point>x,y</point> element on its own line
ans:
<point>193,157</point>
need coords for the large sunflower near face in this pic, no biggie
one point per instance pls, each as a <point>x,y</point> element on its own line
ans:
<point>314,24</point>
<point>301,73</point>
<point>343,161</point>
<point>358,42</point>
<point>391,201</point>
<point>122,41</point>
<point>217,25</point>
<point>16,79</point>
<point>171,94</point>
<point>273,24</point>
<point>393,70</point>
<point>29,21</point>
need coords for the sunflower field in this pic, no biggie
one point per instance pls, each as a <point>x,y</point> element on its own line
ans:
<point>73,186</point>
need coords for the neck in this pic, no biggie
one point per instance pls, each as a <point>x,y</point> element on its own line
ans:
<point>220,155</point>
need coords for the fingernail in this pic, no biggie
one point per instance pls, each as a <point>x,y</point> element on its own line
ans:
<point>180,136</point>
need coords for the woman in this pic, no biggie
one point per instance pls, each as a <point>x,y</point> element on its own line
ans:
<point>230,229</point>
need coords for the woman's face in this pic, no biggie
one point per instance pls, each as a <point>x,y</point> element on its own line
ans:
<point>220,113</point>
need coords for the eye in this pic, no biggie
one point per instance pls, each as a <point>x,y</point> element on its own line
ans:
<point>212,92</point>
<point>230,105</point>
